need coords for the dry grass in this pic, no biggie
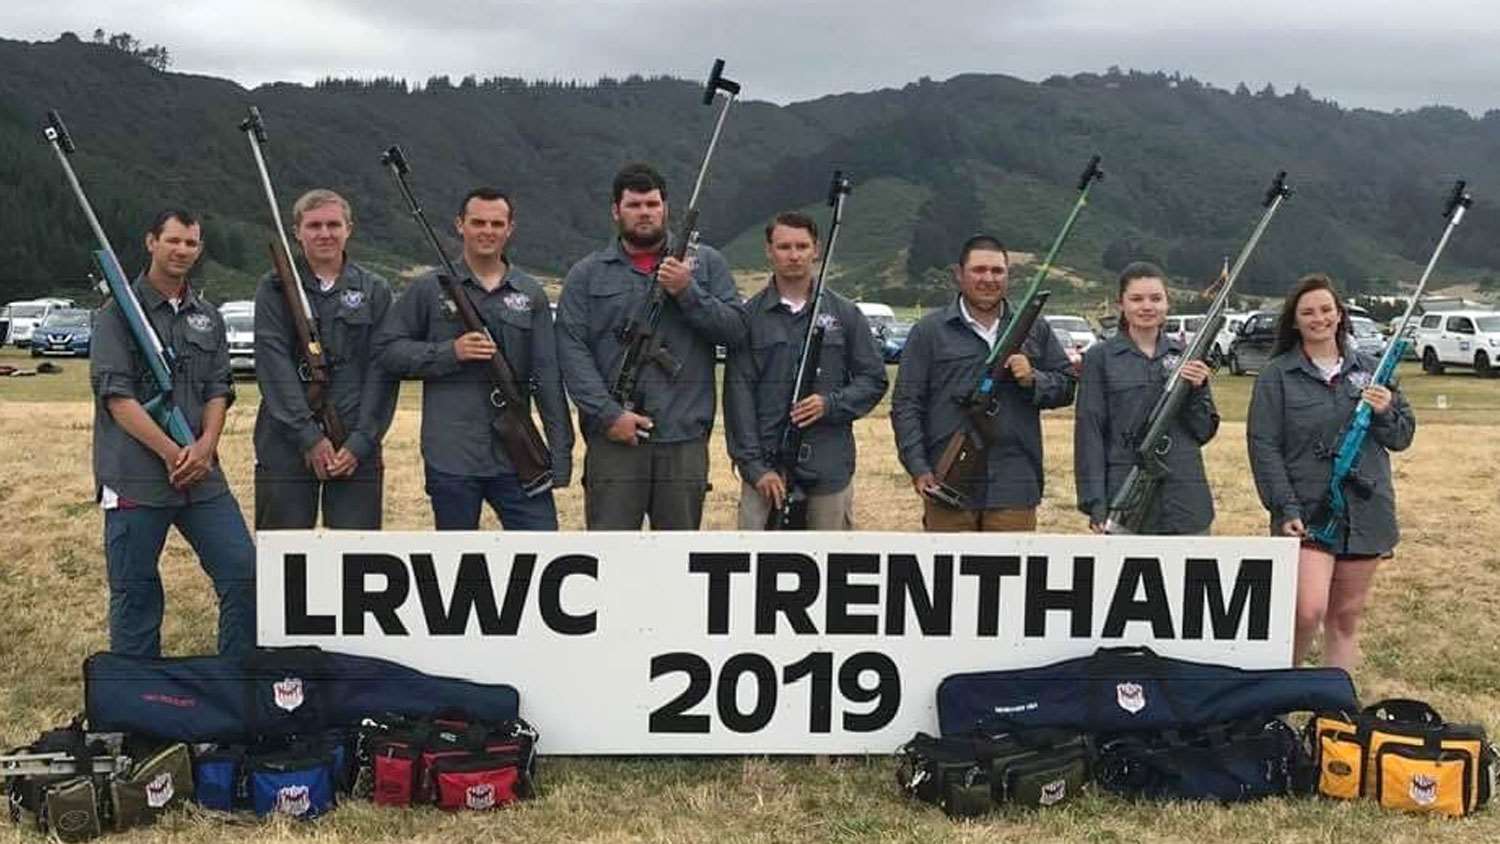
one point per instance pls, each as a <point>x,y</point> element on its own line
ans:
<point>1433,632</point>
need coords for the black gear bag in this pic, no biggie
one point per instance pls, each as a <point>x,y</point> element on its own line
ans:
<point>1132,688</point>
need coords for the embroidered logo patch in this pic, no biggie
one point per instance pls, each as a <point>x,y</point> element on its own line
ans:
<point>1131,697</point>
<point>288,693</point>
<point>481,796</point>
<point>1170,360</point>
<point>828,322</point>
<point>352,298</point>
<point>159,790</point>
<point>293,800</point>
<point>517,301</point>
<point>199,322</point>
<point>1054,792</point>
<point>1423,790</point>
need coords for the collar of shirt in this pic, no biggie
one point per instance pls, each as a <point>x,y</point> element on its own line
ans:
<point>506,280</point>
<point>989,335</point>
<point>151,298</point>
<point>618,254</point>
<point>1122,343</point>
<point>774,299</point>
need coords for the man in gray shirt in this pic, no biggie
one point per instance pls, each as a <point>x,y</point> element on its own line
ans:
<point>466,463</point>
<point>940,366</point>
<point>145,481</point>
<point>761,375</point>
<point>652,463</point>
<point>295,462</point>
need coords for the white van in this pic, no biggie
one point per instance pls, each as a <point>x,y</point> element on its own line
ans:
<point>881,317</point>
<point>1459,338</point>
<point>27,314</point>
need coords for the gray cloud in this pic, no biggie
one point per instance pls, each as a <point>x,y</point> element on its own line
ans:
<point>1360,52</point>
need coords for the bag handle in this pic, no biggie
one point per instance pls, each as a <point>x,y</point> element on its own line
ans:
<point>1403,709</point>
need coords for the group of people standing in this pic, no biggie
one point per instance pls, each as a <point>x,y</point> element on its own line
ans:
<point>649,464</point>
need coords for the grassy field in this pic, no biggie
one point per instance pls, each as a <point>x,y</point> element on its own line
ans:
<point>1433,631</point>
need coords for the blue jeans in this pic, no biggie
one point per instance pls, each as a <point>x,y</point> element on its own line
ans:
<point>456,500</point>
<point>133,539</point>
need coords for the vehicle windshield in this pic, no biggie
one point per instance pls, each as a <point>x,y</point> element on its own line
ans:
<point>1194,323</point>
<point>1488,324</point>
<point>66,319</point>
<point>1070,324</point>
<point>27,311</point>
<point>1364,328</point>
<point>239,322</point>
<point>899,329</point>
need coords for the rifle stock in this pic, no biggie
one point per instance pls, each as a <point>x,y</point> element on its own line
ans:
<point>314,368</point>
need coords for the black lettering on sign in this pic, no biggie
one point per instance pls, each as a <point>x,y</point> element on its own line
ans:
<point>885,694</point>
<point>671,717</point>
<point>904,583</point>
<point>819,666</point>
<point>1077,601</point>
<point>1201,589</point>
<point>294,587</point>
<point>473,591</point>
<point>1124,608</point>
<point>765,693</point>
<point>382,604</point>
<point>988,569</point>
<point>770,600</point>
<point>553,614</point>
<point>842,593</point>
<point>718,567</point>
<point>517,588</point>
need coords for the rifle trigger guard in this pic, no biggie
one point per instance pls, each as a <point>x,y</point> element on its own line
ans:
<point>804,453</point>
<point>496,400</point>
<point>1163,446</point>
<point>303,372</point>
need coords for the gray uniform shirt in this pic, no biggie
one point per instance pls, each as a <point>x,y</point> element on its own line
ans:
<point>1294,426</point>
<point>416,339</point>
<point>200,372</point>
<point>940,366</point>
<point>1117,390</point>
<point>762,372</point>
<point>363,395</point>
<point>601,293</point>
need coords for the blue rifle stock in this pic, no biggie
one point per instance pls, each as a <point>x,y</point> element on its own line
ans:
<point>1333,518</point>
<point>158,357</point>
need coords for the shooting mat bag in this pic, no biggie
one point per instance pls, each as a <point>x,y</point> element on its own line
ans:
<point>269,693</point>
<point>1132,688</point>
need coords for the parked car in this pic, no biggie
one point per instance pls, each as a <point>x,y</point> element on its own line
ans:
<point>1183,327</point>
<point>894,341</point>
<point>880,317</point>
<point>239,327</point>
<point>1073,332</point>
<point>1459,338</point>
<point>240,306</point>
<point>26,315</point>
<point>1366,336</point>
<point>68,331</point>
<point>1218,353</point>
<point>1252,344</point>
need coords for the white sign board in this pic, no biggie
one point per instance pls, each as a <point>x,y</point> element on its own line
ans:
<point>669,643</point>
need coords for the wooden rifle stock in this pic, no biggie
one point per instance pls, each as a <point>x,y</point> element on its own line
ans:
<point>314,370</point>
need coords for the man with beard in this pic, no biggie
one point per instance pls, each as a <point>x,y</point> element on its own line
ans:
<point>295,462</point>
<point>654,463</point>
<point>762,373</point>
<point>466,464</point>
<point>145,481</point>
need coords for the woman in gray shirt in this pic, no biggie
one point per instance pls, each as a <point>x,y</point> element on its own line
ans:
<point>1303,398</point>
<point>1122,379</point>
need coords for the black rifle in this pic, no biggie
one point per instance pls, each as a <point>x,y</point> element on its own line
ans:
<point>159,357</point>
<point>639,335</point>
<point>792,514</point>
<point>961,457</point>
<point>313,369</point>
<point>1132,504</point>
<point>511,420</point>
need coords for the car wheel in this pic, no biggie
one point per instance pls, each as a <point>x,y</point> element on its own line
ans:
<point>1234,364</point>
<point>1482,366</point>
<point>1430,363</point>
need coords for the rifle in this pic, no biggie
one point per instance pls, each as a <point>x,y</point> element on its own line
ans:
<point>638,335</point>
<point>314,367</point>
<point>792,514</point>
<point>1132,503</point>
<point>962,455</point>
<point>159,358</point>
<point>511,420</point>
<point>1332,517</point>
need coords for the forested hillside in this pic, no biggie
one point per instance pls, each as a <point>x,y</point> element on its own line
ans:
<point>932,162</point>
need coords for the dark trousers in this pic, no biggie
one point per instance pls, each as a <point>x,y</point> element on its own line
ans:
<point>133,539</point>
<point>456,500</point>
<point>664,482</point>
<point>288,498</point>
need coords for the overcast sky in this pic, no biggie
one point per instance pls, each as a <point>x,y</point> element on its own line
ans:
<point>1370,53</point>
